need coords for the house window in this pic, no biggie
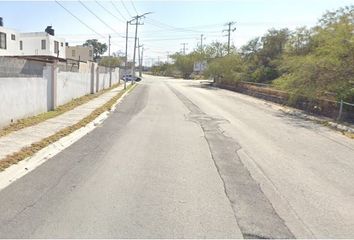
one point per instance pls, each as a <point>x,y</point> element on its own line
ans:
<point>2,40</point>
<point>56,47</point>
<point>13,37</point>
<point>21,45</point>
<point>43,44</point>
<point>90,53</point>
<point>61,44</point>
<point>73,53</point>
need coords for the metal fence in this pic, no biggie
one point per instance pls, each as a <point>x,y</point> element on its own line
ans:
<point>337,110</point>
<point>346,111</point>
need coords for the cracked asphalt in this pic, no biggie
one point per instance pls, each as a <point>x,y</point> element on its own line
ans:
<point>167,164</point>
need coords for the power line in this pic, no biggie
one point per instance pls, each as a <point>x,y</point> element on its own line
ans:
<point>77,18</point>
<point>126,9</point>
<point>99,18</point>
<point>131,1</point>
<point>109,12</point>
<point>115,7</point>
<point>159,24</point>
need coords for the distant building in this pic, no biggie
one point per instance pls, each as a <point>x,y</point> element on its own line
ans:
<point>34,44</point>
<point>81,53</point>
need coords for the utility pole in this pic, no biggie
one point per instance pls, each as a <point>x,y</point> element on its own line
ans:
<point>184,48</point>
<point>201,41</point>
<point>109,56</point>
<point>168,56</point>
<point>229,30</point>
<point>140,57</point>
<point>136,18</point>
<point>126,54</point>
<point>109,45</point>
<point>141,62</point>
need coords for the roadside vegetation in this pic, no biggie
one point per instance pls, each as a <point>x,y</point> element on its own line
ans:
<point>312,63</point>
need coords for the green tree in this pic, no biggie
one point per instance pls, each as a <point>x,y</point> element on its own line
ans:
<point>328,67</point>
<point>299,42</point>
<point>217,49</point>
<point>185,63</point>
<point>98,48</point>
<point>111,61</point>
<point>228,69</point>
<point>262,55</point>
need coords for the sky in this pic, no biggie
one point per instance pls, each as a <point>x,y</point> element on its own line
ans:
<point>169,24</point>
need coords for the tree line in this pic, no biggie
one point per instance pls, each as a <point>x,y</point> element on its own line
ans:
<point>311,62</point>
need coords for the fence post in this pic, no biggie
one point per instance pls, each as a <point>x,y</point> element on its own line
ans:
<point>54,84</point>
<point>92,85</point>
<point>340,110</point>
<point>97,78</point>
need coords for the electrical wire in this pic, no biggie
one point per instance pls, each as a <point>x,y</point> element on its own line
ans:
<point>115,7</point>
<point>98,18</point>
<point>126,9</point>
<point>109,12</point>
<point>131,1</point>
<point>77,18</point>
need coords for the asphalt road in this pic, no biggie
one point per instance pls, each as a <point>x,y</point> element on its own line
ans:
<point>172,162</point>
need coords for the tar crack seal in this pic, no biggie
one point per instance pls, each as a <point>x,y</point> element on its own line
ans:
<point>254,213</point>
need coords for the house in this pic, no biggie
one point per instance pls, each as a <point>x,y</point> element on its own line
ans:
<point>33,44</point>
<point>9,41</point>
<point>79,53</point>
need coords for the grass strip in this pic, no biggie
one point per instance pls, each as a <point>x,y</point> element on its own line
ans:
<point>30,121</point>
<point>35,147</point>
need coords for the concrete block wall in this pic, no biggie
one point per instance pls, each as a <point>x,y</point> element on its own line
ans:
<point>24,97</point>
<point>13,67</point>
<point>46,88</point>
<point>72,85</point>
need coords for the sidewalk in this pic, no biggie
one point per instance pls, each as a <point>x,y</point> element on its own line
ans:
<point>14,142</point>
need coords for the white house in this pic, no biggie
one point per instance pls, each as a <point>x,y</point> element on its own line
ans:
<point>9,44</point>
<point>13,43</point>
<point>41,44</point>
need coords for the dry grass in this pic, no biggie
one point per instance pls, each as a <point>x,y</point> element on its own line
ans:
<point>349,134</point>
<point>30,121</point>
<point>35,147</point>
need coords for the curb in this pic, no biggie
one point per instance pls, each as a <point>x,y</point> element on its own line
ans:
<point>332,124</point>
<point>16,171</point>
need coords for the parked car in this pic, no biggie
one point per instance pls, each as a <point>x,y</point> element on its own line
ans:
<point>130,77</point>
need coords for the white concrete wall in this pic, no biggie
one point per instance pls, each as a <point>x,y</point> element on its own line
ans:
<point>23,97</point>
<point>72,85</point>
<point>27,95</point>
<point>104,78</point>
